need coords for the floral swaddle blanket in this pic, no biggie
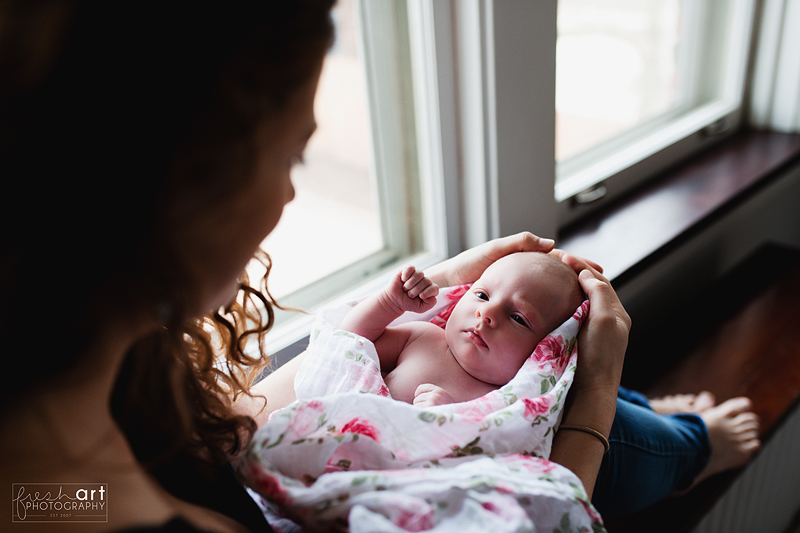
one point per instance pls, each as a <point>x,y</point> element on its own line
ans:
<point>346,455</point>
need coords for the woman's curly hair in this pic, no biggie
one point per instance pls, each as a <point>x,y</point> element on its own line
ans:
<point>110,112</point>
<point>176,387</point>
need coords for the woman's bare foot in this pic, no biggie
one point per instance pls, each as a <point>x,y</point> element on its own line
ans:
<point>733,432</point>
<point>683,403</point>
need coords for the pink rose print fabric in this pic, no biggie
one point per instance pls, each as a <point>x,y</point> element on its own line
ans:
<point>347,454</point>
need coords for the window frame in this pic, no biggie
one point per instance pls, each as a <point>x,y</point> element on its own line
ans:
<point>499,114</point>
<point>701,127</point>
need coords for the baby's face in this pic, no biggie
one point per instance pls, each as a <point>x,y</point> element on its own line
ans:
<point>515,304</point>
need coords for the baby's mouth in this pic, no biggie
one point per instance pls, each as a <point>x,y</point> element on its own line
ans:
<point>475,336</point>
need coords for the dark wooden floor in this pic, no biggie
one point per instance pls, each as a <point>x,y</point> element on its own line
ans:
<point>741,338</point>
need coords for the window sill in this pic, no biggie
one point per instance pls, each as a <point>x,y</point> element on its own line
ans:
<point>635,232</point>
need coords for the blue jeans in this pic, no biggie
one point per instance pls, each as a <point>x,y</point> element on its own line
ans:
<point>651,456</point>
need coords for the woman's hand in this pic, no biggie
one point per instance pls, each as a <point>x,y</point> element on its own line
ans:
<point>603,338</point>
<point>468,266</point>
<point>578,264</point>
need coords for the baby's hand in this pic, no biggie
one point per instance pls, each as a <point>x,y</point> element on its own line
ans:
<point>428,395</point>
<point>411,290</point>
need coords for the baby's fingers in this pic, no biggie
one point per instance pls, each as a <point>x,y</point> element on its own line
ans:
<point>423,388</point>
<point>430,293</point>
<point>415,283</point>
<point>428,395</point>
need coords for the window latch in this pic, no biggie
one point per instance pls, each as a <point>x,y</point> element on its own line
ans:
<point>592,194</point>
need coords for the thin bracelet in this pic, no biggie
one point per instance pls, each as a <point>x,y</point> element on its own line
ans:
<point>590,431</point>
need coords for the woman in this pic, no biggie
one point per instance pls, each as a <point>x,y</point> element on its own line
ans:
<point>150,151</point>
<point>151,145</point>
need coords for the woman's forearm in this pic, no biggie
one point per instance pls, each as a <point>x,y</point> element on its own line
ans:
<point>274,392</point>
<point>580,451</point>
<point>592,402</point>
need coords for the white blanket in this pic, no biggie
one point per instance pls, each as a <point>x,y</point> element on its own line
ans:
<point>347,455</point>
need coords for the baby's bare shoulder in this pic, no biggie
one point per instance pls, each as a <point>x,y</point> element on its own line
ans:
<point>424,331</point>
<point>424,339</point>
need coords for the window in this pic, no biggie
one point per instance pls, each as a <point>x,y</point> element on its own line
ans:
<point>335,213</point>
<point>618,66</point>
<point>635,78</point>
<point>358,204</point>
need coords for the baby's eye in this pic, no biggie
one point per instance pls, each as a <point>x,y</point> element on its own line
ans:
<point>482,295</point>
<point>519,320</point>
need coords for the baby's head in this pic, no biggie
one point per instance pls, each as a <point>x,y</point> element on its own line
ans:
<point>517,302</point>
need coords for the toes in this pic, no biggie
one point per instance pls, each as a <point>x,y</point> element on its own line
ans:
<point>747,420</point>
<point>704,400</point>
<point>752,446</point>
<point>735,406</point>
<point>683,403</point>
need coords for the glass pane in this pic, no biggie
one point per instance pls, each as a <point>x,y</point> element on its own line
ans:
<point>333,220</point>
<point>617,66</point>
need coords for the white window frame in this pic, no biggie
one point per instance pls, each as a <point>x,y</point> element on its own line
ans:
<point>497,114</point>
<point>675,140</point>
<point>504,115</point>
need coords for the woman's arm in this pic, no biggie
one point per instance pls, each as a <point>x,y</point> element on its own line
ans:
<point>271,393</point>
<point>593,397</point>
<point>468,266</point>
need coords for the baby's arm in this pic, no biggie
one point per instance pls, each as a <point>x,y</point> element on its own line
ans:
<point>409,290</point>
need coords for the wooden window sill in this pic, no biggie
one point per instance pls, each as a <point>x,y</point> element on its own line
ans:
<point>635,232</point>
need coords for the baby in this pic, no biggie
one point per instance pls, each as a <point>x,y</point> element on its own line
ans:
<point>496,325</point>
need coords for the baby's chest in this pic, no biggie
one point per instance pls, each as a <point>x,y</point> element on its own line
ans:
<point>432,365</point>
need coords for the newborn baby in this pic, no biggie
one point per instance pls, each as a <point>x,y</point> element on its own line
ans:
<point>493,329</point>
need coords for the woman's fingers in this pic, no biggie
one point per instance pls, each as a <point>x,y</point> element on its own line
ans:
<point>603,338</point>
<point>468,266</point>
<point>603,297</point>
<point>521,242</point>
<point>576,263</point>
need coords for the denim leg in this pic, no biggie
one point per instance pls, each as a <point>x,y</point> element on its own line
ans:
<point>633,397</point>
<point>650,457</point>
